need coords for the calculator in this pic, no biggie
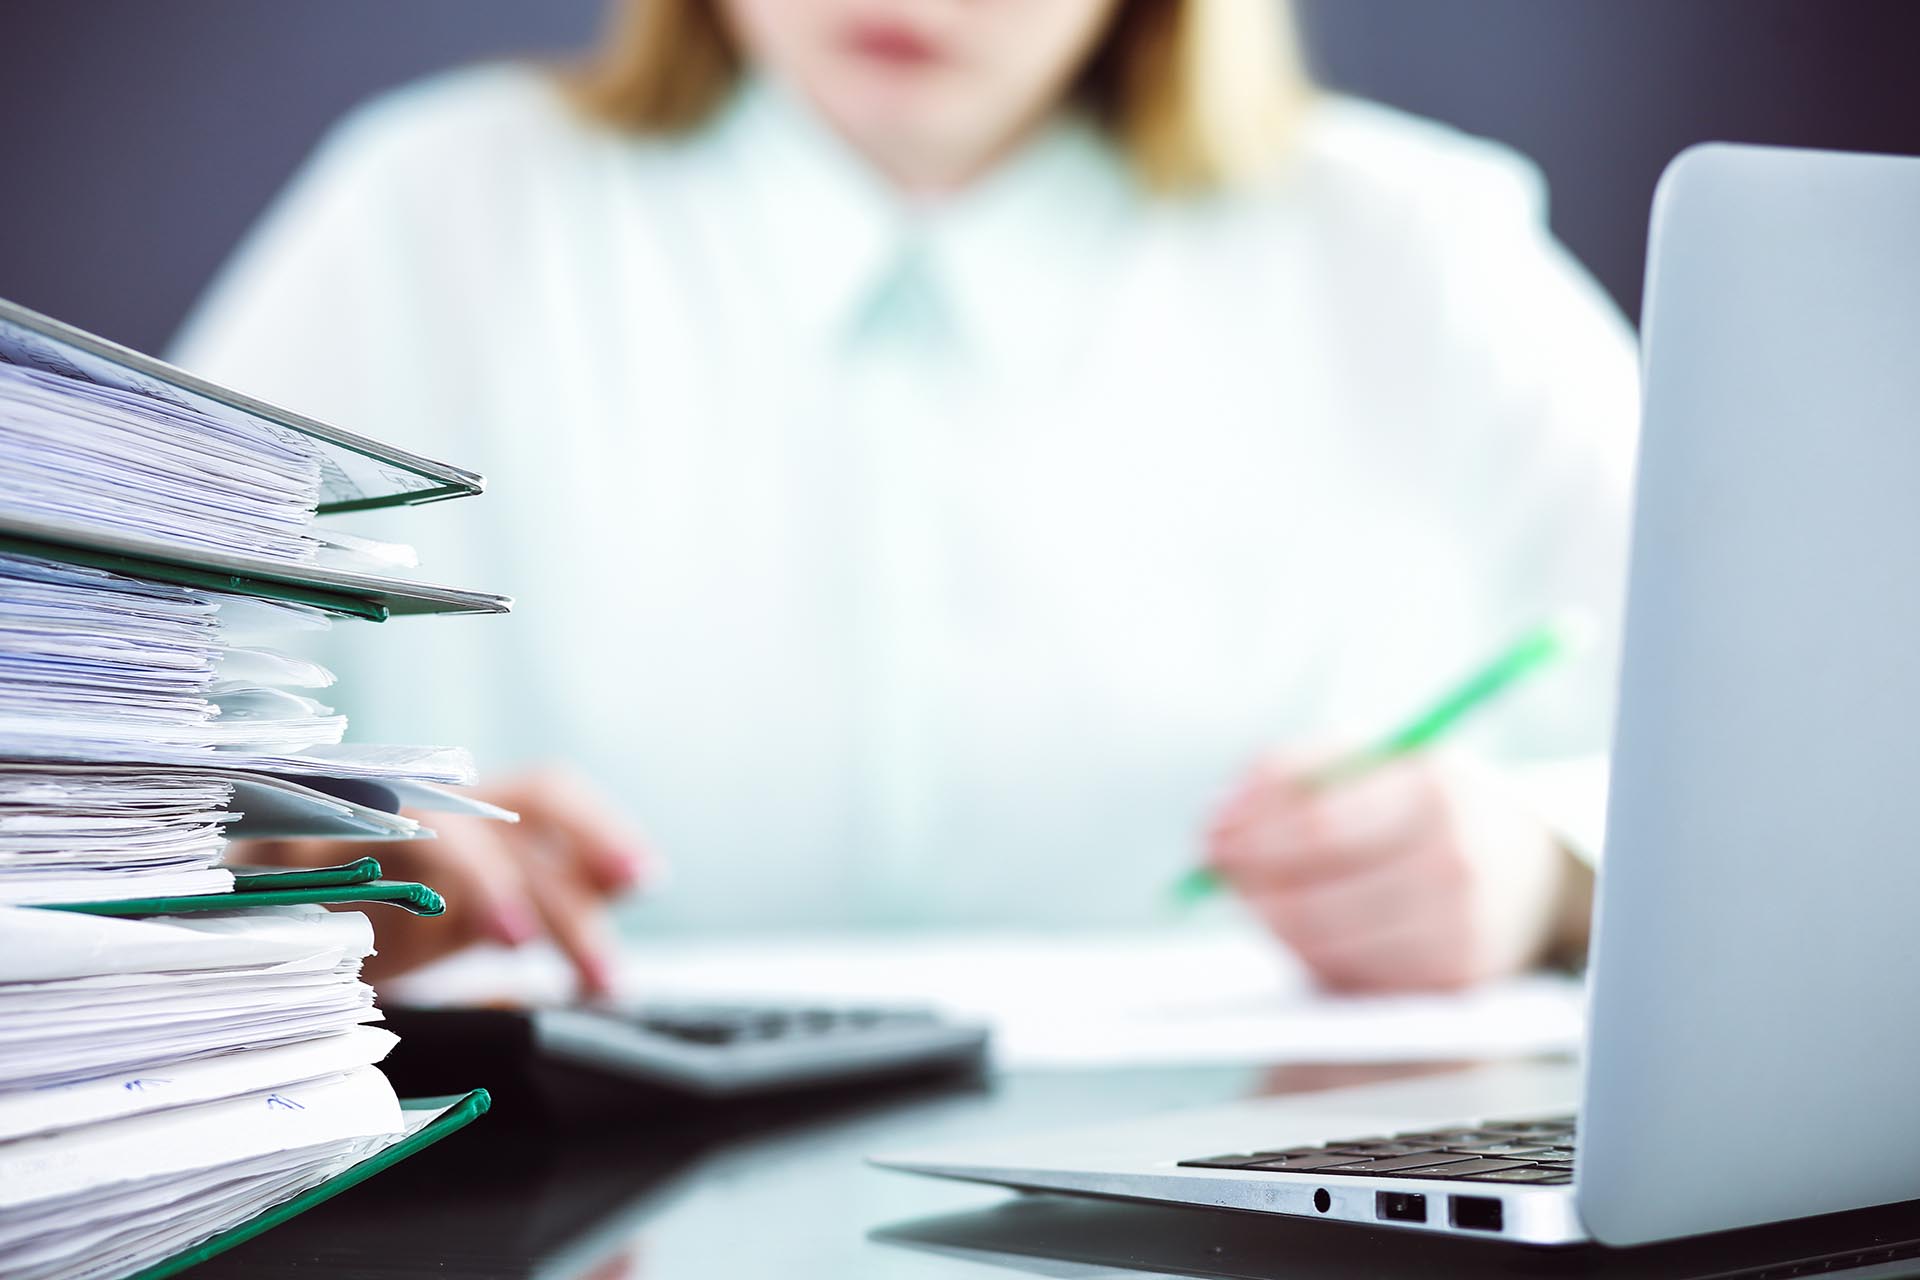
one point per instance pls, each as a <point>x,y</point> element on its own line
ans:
<point>732,1050</point>
<point>655,1052</point>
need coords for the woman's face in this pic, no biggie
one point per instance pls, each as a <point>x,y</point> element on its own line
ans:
<point>931,91</point>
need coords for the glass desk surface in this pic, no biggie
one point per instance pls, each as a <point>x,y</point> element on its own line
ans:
<point>782,1191</point>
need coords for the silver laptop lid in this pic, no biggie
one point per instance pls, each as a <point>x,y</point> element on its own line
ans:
<point>1755,1043</point>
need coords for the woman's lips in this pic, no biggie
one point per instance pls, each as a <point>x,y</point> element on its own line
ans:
<point>892,43</point>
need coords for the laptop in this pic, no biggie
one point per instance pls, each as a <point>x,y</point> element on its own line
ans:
<point>1753,1048</point>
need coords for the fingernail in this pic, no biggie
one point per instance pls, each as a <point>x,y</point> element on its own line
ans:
<point>632,867</point>
<point>512,923</point>
<point>596,975</point>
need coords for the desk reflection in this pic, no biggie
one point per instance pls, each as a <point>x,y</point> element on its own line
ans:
<point>781,1190</point>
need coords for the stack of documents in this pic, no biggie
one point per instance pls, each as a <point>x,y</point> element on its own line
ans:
<point>186,1053</point>
<point>129,495</point>
<point>98,665</point>
<point>135,464</point>
<point>163,1080</point>
<point>98,668</point>
<point>116,460</point>
<point>70,836</point>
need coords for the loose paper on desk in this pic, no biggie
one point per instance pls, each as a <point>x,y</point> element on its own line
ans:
<point>1100,999</point>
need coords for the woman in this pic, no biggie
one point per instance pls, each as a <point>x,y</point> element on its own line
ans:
<point>936,445</point>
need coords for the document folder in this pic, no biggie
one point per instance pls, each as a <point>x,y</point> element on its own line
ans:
<point>359,473</point>
<point>405,894</point>
<point>60,369</point>
<point>447,1115</point>
<point>373,597</point>
<point>140,731</point>
<point>254,879</point>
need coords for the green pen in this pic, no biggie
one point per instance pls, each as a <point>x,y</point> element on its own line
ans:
<point>1535,650</point>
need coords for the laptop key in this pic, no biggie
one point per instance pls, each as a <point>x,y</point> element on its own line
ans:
<point>1400,1164</point>
<point>1508,1149</point>
<point>1449,1137</point>
<point>1524,1174</point>
<point>1384,1148</point>
<point>1220,1162</point>
<point>1301,1164</point>
<point>1470,1168</point>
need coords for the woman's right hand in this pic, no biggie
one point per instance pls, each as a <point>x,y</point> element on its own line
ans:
<point>1423,873</point>
<point>550,875</point>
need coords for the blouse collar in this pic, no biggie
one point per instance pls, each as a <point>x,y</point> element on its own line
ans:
<point>1018,261</point>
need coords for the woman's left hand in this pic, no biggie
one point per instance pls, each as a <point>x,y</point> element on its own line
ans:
<point>1421,873</point>
<point>551,874</point>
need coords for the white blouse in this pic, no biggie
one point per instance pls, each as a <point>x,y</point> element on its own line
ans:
<point>902,565</point>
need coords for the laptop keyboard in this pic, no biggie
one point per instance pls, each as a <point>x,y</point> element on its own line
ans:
<point>1538,1152</point>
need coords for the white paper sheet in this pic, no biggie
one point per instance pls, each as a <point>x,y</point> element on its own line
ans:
<point>118,1229</point>
<point>250,1071</point>
<point>100,832</point>
<point>79,836</point>
<point>97,664</point>
<point>84,997</point>
<point>40,946</point>
<point>116,884</point>
<point>154,1049</point>
<point>102,667</point>
<point>357,1104</point>
<point>113,1242</point>
<point>135,464</point>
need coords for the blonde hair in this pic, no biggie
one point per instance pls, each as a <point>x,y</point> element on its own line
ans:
<point>1197,94</point>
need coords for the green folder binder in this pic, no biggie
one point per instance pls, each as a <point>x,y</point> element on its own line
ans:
<point>356,881</point>
<point>253,879</point>
<point>186,575</point>
<point>342,591</point>
<point>356,473</point>
<point>455,1113</point>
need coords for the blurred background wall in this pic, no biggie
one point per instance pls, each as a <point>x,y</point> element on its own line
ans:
<point>139,138</point>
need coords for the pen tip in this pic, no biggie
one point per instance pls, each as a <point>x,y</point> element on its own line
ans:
<point>1195,885</point>
<point>1573,631</point>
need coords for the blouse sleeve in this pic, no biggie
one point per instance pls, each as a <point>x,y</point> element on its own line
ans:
<point>1560,381</point>
<point>1528,427</point>
<point>1535,377</point>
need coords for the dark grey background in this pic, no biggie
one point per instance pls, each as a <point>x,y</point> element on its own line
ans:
<point>139,138</point>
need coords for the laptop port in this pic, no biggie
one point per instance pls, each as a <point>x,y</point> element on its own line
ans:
<point>1399,1206</point>
<point>1475,1213</point>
